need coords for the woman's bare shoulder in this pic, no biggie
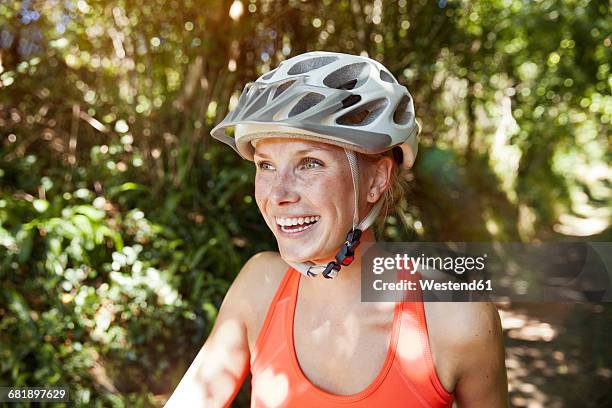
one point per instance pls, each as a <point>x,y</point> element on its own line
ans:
<point>262,272</point>
<point>463,323</point>
<point>462,327</point>
<point>257,282</point>
<point>460,333</point>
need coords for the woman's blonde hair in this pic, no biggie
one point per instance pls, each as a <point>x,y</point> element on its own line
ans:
<point>398,187</point>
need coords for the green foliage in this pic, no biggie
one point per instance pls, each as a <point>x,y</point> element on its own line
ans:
<point>92,294</point>
<point>122,224</point>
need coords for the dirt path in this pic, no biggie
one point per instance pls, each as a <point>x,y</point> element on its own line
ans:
<point>558,355</point>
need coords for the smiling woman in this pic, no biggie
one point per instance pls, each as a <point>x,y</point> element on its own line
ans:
<point>329,133</point>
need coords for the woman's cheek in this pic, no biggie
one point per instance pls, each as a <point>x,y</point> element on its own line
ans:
<point>260,192</point>
<point>329,184</point>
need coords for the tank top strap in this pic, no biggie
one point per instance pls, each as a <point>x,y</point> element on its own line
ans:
<point>414,351</point>
<point>282,299</point>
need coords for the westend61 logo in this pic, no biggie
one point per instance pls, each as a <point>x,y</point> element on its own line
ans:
<point>458,265</point>
<point>488,271</point>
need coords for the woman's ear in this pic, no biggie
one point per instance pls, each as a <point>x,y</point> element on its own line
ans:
<point>380,178</point>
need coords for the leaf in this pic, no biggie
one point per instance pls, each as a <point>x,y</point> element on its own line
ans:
<point>90,212</point>
<point>17,304</point>
<point>198,256</point>
<point>25,239</point>
<point>84,225</point>
<point>129,186</point>
<point>40,205</point>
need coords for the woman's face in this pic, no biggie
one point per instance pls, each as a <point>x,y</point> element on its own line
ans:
<point>305,194</point>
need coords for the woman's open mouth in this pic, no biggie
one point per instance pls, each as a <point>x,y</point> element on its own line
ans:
<point>293,225</point>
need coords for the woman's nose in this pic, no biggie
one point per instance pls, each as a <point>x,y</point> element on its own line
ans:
<point>283,190</point>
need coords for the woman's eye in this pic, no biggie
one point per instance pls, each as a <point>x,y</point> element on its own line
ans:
<point>311,163</point>
<point>264,165</point>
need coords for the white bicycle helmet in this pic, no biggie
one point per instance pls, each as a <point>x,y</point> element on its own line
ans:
<point>350,101</point>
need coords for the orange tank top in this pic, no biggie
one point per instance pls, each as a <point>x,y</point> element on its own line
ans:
<point>407,378</point>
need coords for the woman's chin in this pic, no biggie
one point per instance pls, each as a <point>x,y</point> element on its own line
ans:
<point>302,251</point>
<point>289,256</point>
<point>293,256</point>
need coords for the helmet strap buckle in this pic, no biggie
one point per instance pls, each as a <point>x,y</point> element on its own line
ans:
<point>345,255</point>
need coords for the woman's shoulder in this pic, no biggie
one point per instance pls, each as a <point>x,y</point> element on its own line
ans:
<point>257,283</point>
<point>261,273</point>
<point>460,332</point>
<point>263,269</point>
<point>463,324</point>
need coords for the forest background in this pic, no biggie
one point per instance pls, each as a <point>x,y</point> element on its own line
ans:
<point>122,224</point>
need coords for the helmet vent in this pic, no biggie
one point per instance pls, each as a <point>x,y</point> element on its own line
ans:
<point>254,92</point>
<point>387,77</point>
<point>282,88</point>
<point>269,75</point>
<point>350,101</point>
<point>259,98</point>
<point>308,101</point>
<point>364,114</point>
<point>402,114</point>
<point>310,64</point>
<point>348,77</point>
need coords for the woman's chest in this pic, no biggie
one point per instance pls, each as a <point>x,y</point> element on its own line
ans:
<point>342,354</point>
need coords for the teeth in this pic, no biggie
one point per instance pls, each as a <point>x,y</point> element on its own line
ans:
<point>296,221</point>
<point>294,230</point>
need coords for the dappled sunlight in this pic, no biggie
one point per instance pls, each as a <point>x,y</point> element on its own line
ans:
<point>384,310</point>
<point>506,155</point>
<point>547,365</point>
<point>216,371</point>
<point>226,351</point>
<point>538,332</point>
<point>525,328</point>
<point>346,337</point>
<point>270,388</point>
<point>581,227</point>
<point>524,389</point>
<point>410,349</point>
<point>236,10</point>
<point>409,345</point>
<point>524,392</point>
